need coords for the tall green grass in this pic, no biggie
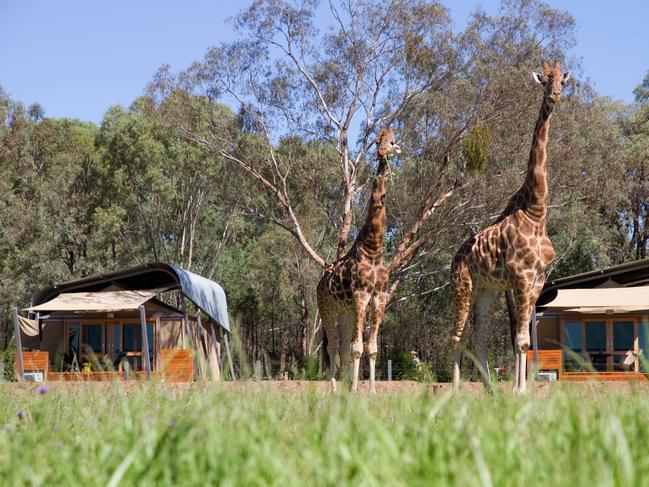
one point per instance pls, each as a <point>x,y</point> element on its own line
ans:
<point>153,434</point>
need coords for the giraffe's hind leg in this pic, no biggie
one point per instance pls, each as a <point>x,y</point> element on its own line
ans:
<point>462,283</point>
<point>330,328</point>
<point>378,308</point>
<point>484,305</point>
<point>345,334</point>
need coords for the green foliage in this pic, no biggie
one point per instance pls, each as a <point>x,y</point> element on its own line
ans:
<point>476,147</point>
<point>309,369</point>
<point>7,362</point>
<point>403,367</point>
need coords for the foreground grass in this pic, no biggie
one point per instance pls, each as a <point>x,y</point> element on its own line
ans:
<point>156,435</point>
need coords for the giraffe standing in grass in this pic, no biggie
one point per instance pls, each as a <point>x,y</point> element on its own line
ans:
<point>513,253</point>
<point>358,282</point>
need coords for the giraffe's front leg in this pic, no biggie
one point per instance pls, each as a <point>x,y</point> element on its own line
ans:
<point>361,300</point>
<point>378,308</point>
<point>522,296</point>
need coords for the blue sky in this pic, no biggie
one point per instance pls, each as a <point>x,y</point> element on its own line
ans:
<point>79,57</point>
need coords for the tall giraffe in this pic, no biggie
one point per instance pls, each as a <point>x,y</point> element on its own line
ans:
<point>513,253</point>
<point>358,281</point>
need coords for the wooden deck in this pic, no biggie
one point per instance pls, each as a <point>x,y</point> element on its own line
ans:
<point>93,376</point>
<point>605,376</point>
<point>33,362</point>
<point>553,360</point>
<point>177,366</point>
<point>548,360</point>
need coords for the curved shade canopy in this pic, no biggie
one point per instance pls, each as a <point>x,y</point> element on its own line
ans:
<point>134,285</point>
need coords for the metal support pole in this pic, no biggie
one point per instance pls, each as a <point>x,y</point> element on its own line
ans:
<point>190,334</point>
<point>158,349</point>
<point>535,343</point>
<point>19,346</point>
<point>389,369</point>
<point>203,346</point>
<point>216,349</point>
<point>145,342</point>
<point>227,350</point>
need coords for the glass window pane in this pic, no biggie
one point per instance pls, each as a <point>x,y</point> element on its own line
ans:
<point>622,336</point>
<point>117,339</point>
<point>149,336</point>
<point>132,338</point>
<point>572,332</point>
<point>643,340</point>
<point>595,336</point>
<point>92,338</point>
<point>73,338</point>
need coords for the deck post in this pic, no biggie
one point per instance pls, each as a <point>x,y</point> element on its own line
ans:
<point>212,338</point>
<point>204,347</point>
<point>145,342</point>
<point>190,334</point>
<point>19,346</point>
<point>535,343</point>
<point>227,350</point>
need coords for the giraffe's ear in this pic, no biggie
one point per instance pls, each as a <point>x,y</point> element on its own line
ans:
<point>538,77</point>
<point>566,76</point>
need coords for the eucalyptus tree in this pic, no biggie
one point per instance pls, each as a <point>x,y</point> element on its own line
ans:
<point>332,74</point>
<point>334,88</point>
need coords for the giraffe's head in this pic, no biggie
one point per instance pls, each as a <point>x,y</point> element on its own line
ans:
<point>552,81</point>
<point>387,146</point>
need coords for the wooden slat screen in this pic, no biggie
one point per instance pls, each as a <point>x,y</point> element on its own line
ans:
<point>177,364</point>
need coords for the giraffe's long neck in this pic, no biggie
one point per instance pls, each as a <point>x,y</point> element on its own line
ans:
<point>535,188</point>
<point>370,238</point>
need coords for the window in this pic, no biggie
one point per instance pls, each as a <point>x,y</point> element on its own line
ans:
<point>622,336</point>
<point>603,343</point>
<point>643,343</point>
<point>110,342</point>
<point>133,344</point>
<point>91,339</point>
<point>596,344</point>
<point>596,336</point>
<point>572,339</point>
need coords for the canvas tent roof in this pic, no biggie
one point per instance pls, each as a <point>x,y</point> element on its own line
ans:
<point>601,300</point>
<point>203,292</point>
<point>98,301</point>
<point>629,274</point>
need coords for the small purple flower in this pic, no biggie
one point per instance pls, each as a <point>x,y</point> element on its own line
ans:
<point>42,389</point>
<point>21,414</point>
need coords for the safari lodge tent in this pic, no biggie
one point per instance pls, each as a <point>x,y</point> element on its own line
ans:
<point>594,325</point>
<point>121,325</point>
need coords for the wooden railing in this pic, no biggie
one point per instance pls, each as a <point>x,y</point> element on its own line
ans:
<point>177,365</point>
<point>548,360</point>
<point>33,362</point>
<point>604,376</point>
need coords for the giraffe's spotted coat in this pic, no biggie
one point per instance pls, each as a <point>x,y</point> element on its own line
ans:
<point>512,254</point>
<point>357,283</point>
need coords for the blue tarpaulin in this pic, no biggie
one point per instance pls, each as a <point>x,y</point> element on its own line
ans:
<point>205,294</point>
